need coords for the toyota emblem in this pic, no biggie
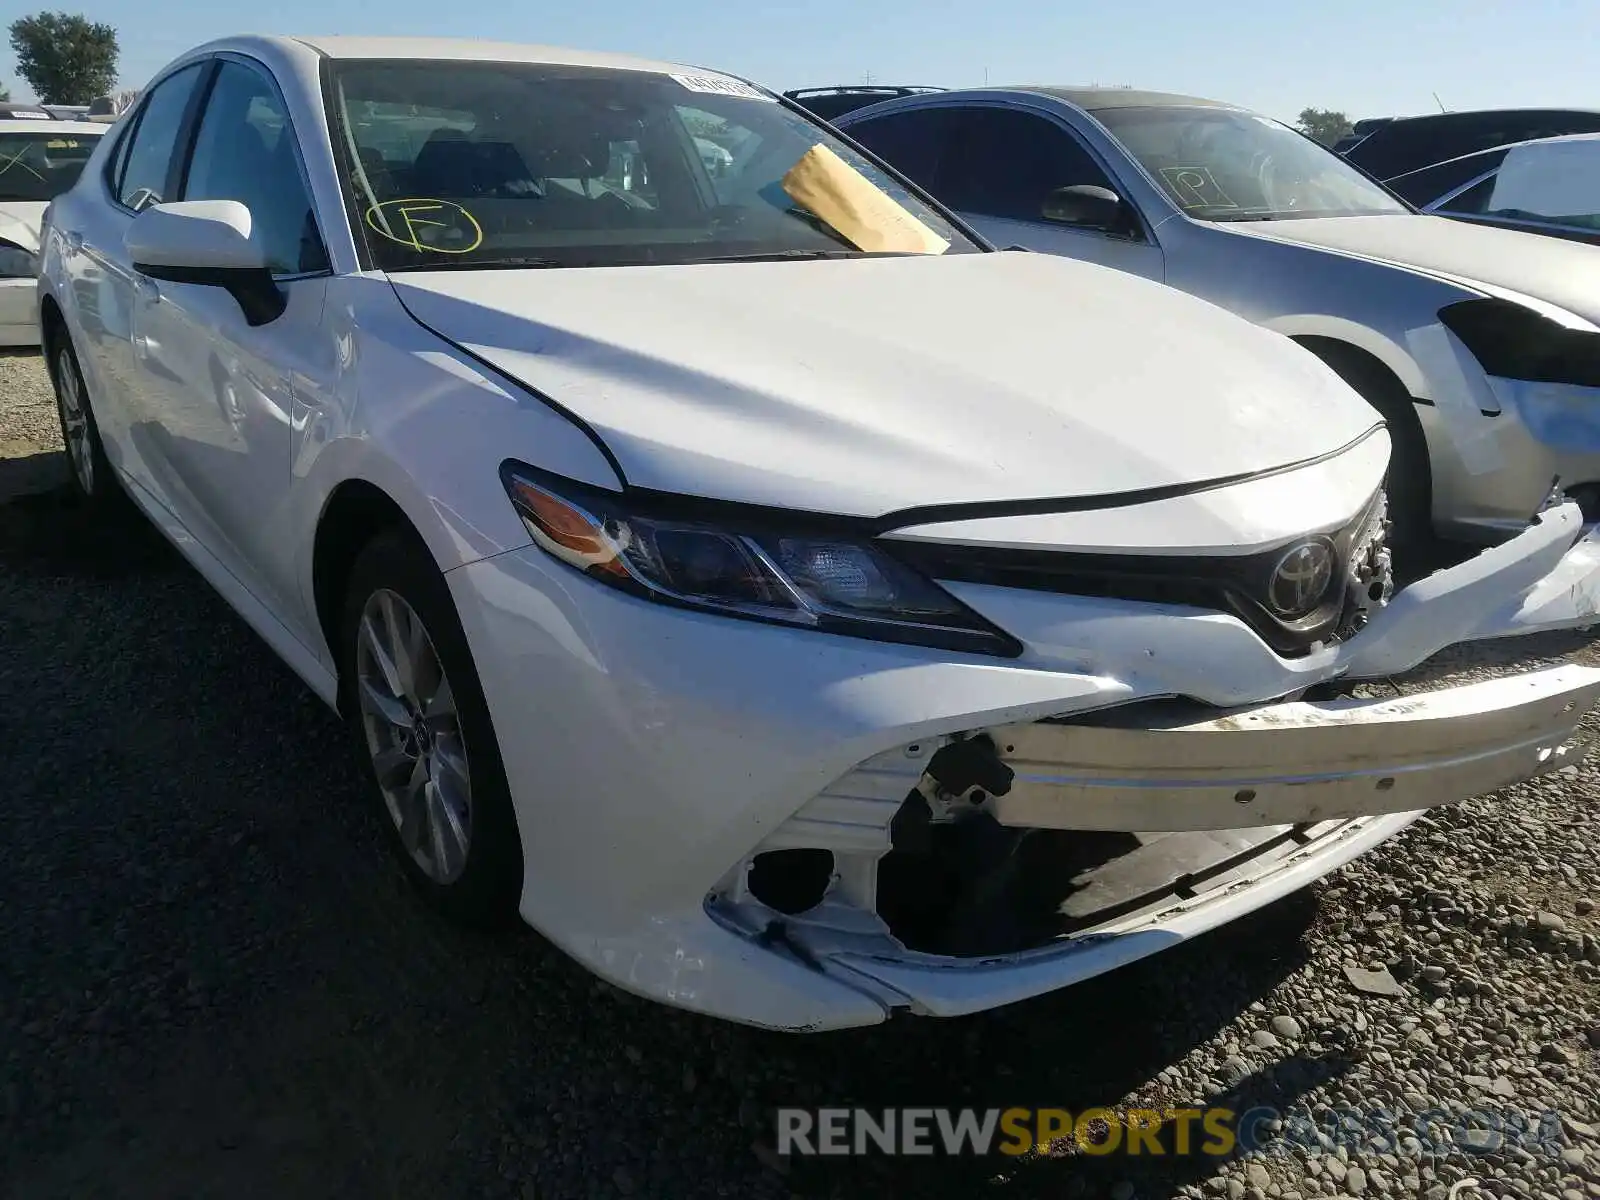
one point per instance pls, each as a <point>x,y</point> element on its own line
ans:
<point>1300,579</point>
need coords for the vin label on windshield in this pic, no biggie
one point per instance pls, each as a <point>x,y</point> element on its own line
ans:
<point>720,85</point>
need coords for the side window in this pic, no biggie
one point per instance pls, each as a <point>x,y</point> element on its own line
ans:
<point>148,159</point>
<point>909,141</point>
<point>245,151</point>
<point>1005,164</point>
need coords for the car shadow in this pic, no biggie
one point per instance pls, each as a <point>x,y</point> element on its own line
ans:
<point>53,531</point>
<point>1085,1047</point>
<point>27,474</point>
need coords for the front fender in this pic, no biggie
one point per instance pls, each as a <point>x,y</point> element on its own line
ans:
<point>411,416</point>
<point>1390,312</point>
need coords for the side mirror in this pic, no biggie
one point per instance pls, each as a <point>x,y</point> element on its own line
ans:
<point>1086,205</point>
<point>206,242</point>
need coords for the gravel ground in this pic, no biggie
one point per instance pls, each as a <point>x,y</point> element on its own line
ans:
<point>215,984</point>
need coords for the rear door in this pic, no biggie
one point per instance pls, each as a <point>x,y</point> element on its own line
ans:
<point>140,171</point>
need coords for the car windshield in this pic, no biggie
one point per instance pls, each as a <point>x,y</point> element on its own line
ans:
<point>41,165</point>
<point>487,164</point>
<point>1221,164</point>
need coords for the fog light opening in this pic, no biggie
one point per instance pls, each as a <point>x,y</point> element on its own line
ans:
<point>790,881</point>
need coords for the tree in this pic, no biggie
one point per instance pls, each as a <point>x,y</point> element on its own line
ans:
<point>1323,124</point>
<point>67,58</point>
<point>5,94</point>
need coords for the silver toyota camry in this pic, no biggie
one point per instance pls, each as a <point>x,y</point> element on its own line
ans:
<point>1481,346</point>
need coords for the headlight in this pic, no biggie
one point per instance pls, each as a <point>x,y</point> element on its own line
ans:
<point>1514,342</point>
<point>749,568</point>
<point>17,263</point>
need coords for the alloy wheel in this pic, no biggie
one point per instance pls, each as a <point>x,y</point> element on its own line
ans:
<point>71,401</point>
<point>413,733</point>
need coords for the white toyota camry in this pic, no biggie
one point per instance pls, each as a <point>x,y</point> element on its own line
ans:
<point>795,609</point>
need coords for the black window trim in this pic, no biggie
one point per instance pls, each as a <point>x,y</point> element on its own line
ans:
<point>1433,207</point>
<point>189,135</point>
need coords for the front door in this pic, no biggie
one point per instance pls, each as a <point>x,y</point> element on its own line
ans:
<point>999,169</point>
<point>228,394</point>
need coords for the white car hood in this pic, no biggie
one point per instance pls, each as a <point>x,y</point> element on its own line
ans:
<point>20,221</point>
<point>869,386</point>
<point>1559,272</point>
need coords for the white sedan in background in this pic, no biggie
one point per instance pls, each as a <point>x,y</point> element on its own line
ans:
<point>39,159</point>
<point>797,610</point>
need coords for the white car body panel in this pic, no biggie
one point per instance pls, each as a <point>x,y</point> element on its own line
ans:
<point>653,751</point>
<point>849,388</point>
<point>1245,518</point>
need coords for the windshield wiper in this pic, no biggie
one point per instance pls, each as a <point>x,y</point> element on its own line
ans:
<point>781,255</point>
<point>462,263</point>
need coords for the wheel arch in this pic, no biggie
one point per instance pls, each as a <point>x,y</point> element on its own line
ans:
<point>356,511</point>
<point>1322,330</point>
<point>1381,387</point>
<point>52,324</point>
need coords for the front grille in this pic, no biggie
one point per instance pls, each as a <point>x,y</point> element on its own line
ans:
<point>1359,579</point>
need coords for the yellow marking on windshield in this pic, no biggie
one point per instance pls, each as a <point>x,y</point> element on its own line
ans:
<point>1197,187</point>
<point>419,214</point>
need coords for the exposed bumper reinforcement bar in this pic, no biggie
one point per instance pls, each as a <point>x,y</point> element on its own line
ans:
<point>1292,763</point>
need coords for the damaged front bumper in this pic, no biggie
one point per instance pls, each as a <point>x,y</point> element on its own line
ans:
<point>1178,767</point>
<point>1061,848</point>
<point>757,822</point>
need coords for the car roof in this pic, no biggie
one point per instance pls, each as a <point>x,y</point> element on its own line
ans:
<point>304,48</point>
<point>1466,114</point>
<point>32,126</point>
<point>1093,99</point>
<point>1090,99</point>
<point>862,89</point>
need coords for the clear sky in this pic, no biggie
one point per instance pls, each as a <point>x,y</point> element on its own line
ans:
<point>1361,56</point>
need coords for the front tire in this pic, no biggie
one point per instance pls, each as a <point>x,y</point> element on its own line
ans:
<point>423,735</point>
